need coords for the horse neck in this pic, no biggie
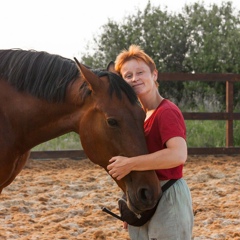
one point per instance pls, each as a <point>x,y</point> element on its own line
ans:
<point>33,121</point>
<point>46,122</point>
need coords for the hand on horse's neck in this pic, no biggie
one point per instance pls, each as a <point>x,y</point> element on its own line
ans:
<point>151,105</point>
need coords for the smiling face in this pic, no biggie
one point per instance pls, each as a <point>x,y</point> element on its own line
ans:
<point>138,74</point>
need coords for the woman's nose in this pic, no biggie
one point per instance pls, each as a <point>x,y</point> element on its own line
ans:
<point>135,78</point>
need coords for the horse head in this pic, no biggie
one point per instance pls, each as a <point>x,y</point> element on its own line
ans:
<point>111,125</point>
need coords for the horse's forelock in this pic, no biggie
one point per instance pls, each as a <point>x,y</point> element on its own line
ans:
<point>118,86</point>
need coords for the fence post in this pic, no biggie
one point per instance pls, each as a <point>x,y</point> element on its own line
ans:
<point>229,110</point>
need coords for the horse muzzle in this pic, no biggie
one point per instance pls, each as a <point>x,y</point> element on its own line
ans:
<point>142,196</point>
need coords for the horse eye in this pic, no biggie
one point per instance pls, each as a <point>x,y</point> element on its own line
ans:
<point>112,122</point>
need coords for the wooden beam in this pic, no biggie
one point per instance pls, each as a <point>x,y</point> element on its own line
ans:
<point>203,77</point>
<point>73,154</point>
<point>211,116</point>
<point>214,151</point>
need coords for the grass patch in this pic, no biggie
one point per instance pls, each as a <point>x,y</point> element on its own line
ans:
<point>205,133</point>
<point>209,133</point>
<point>236,133</point>
<point>69,141</point>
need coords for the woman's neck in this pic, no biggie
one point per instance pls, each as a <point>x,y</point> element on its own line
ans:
<point>150,104</point>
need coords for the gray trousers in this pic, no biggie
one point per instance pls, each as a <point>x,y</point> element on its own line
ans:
<point>173,219</point>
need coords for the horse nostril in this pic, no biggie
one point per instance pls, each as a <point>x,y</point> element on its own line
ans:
<point>145,195</point>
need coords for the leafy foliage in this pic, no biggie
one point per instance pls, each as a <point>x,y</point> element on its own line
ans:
<point>199,39</point>
<point>215,35</point>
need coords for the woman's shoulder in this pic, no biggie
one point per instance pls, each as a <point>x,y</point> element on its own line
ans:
<point>167,104</point>
<point>168,108</point>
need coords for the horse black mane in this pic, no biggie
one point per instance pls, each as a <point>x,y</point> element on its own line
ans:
<point>118,85</point>
<point>47,75</point>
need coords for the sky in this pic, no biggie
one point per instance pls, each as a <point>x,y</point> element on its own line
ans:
<point>65,27</point>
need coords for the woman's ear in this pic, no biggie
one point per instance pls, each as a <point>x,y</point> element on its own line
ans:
<point>155,73</point>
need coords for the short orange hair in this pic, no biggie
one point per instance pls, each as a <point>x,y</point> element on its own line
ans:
<point>134,52</point>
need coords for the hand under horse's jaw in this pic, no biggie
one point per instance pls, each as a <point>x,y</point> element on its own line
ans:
<point>141,194</point>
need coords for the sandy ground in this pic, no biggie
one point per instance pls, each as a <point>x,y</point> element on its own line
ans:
<point>62,199</point>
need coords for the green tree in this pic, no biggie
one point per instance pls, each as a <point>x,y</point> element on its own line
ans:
<point>201,38</point>
<point>215,45</point>
<point>215,34</point>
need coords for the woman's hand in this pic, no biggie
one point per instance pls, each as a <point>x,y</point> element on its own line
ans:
<point>125,226</point>
<point>119,167</point>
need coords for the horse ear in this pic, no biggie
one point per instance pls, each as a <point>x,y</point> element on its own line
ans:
<point>89,76</point>
<point>111,68</point>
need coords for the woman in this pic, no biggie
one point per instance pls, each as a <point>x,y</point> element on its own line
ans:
<point>165,133</point>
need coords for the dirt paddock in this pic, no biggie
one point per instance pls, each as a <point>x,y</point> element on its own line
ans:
<point>62,199</point>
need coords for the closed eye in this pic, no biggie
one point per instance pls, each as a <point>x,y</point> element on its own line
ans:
<point>112,122</point>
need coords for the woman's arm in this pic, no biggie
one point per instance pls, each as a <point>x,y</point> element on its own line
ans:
<point>174,155</point>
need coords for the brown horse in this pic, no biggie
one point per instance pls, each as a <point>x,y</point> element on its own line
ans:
<point>43,96</point>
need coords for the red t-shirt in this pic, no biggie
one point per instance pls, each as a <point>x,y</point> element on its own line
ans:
<point>166,122</point>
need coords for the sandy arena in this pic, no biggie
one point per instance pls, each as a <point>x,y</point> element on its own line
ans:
<point>62,199</point>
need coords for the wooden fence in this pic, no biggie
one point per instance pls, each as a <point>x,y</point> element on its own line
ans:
<point>229,116</point>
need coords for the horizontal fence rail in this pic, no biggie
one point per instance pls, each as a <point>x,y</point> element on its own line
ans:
<point>80,154</point>
<point>229,116</point>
